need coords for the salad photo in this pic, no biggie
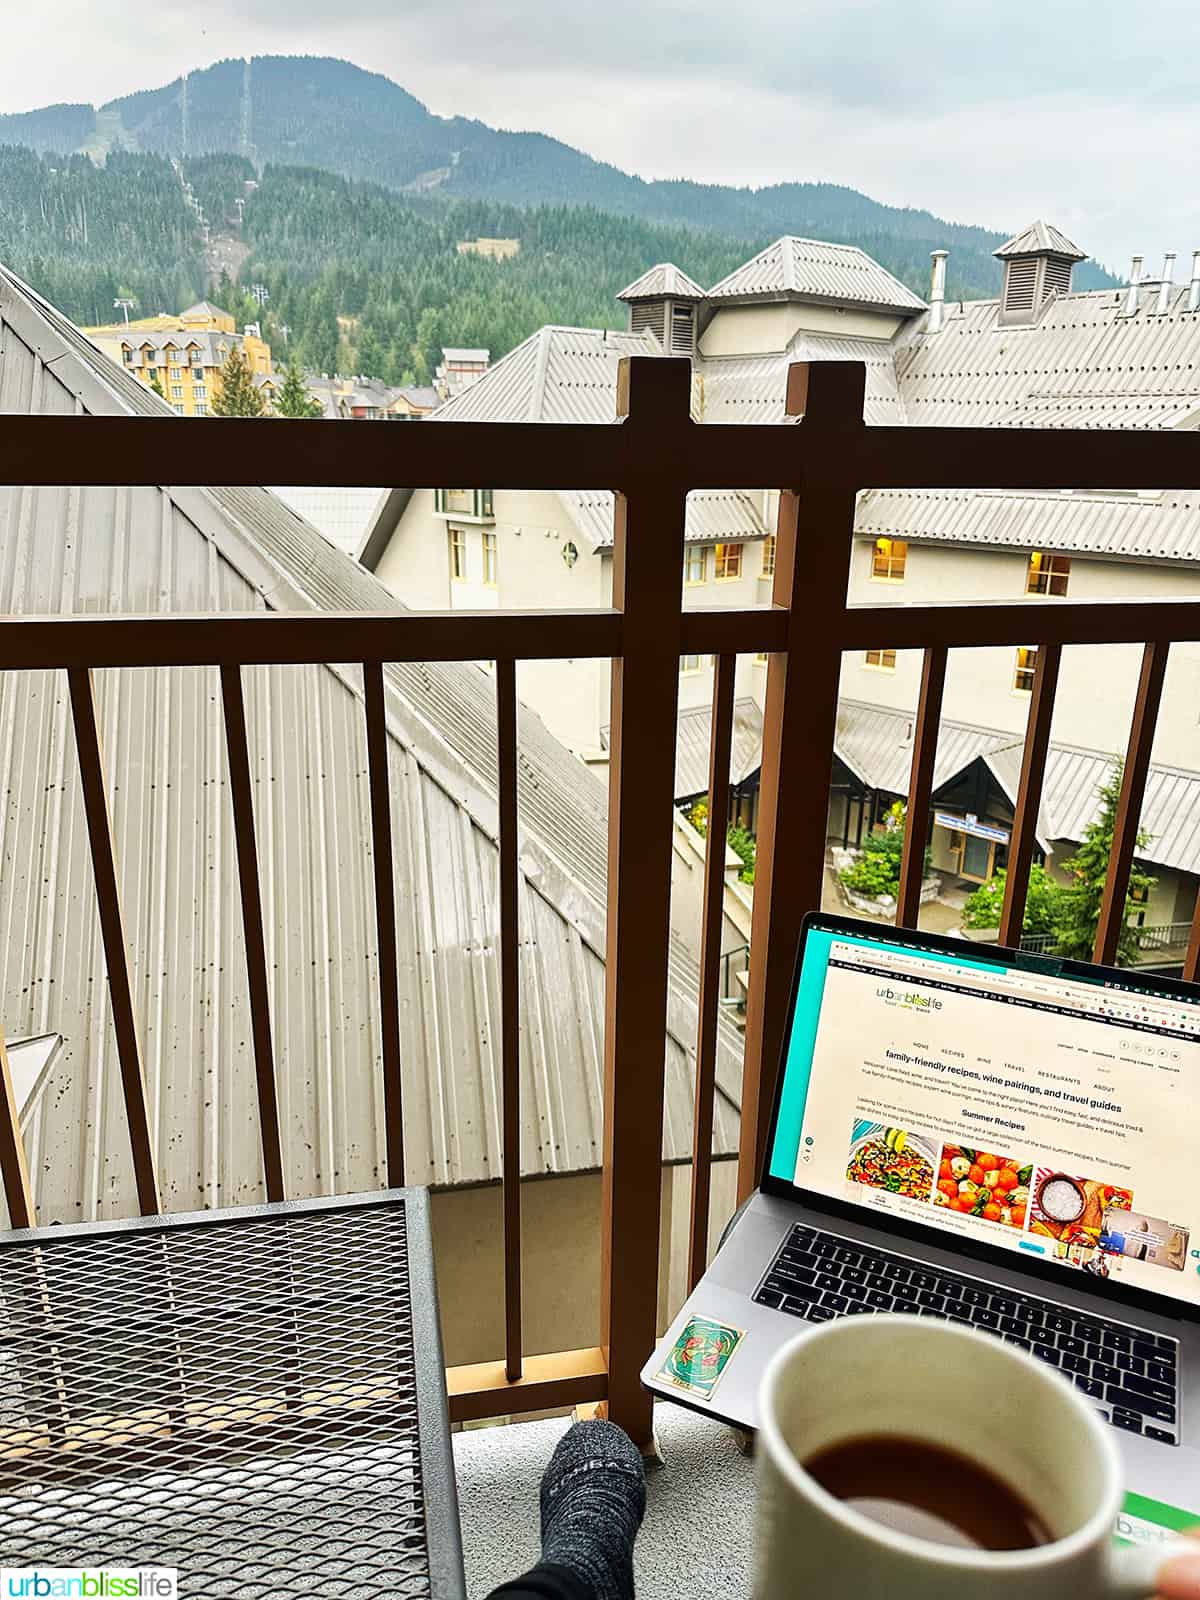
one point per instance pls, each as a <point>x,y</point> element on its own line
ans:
<point>895,1159</point>
<point>979,1183</point>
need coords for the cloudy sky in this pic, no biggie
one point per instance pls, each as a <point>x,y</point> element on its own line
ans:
<point>988,111</point>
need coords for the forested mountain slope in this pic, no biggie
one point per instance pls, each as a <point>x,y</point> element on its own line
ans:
<point>322,112</point>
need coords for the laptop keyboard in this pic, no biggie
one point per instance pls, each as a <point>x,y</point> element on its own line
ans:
<point>1130,1373</point>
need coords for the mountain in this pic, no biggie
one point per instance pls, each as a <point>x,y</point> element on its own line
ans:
<point>320,112</point>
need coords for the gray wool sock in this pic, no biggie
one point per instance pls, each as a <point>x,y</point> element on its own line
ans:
<point>593,1500</point>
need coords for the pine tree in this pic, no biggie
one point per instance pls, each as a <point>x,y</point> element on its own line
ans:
<point>1078,913</point>
<point>157,387</point>
<point>293,399</point>
<point>237,396</point>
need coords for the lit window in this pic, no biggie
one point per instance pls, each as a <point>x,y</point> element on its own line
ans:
<point>697,564</point>
<point>728,561</point>
<point>458,554</point>
<point>1048,573</point>
<point>1027,655</point>
<point>489,559</point>
<point>885,660</point>
<point>888,559</point>
<point>176,391</point>
<point>768,556</point>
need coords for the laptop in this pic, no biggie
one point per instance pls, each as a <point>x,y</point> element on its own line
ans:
<point>969,1133</point>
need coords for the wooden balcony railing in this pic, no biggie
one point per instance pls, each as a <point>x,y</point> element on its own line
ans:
<point>651,459</point>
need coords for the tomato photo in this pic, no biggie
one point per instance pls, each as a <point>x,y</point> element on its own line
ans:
<point>979,1183</point>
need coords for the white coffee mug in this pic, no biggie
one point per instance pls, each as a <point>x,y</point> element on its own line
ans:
<point>948,1387</point>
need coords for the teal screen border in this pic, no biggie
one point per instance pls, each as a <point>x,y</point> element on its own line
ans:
<point>797,1066</point>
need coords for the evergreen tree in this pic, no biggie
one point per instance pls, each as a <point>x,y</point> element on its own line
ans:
<point>293,399</point>
<point>1078,911</point>
<point>157,387</point>
<point>238,397</point>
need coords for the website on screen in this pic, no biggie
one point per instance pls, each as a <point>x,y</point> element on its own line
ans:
<point>1038,1113</point>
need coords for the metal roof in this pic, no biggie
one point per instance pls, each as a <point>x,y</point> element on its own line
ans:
<point>810,269</point>
<point>662,281</point>
<point>1164,529</point>
<point>1040,239</point>
<point>1083,364</point>
<point>150,548</point>
<point>692,739</point>
<point>754,388</point>
<point>876,744</point>
<point>714,516</point>
<point>1070,801</point>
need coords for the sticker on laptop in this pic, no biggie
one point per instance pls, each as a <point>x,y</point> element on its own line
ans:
<point>700,1355</point>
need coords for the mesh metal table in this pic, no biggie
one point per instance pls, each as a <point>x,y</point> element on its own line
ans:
<point>255,1397</point>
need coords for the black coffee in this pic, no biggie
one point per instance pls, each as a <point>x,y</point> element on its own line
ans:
<point>930,1493</point>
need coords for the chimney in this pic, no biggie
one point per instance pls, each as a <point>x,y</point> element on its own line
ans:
<point>1165,285</point>
<point>937,291</point>
<point>1193,299</point>
<point>1135,277</point>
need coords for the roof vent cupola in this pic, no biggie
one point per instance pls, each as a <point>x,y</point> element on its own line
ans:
<point>1037,268</point>
<point>663,302</point>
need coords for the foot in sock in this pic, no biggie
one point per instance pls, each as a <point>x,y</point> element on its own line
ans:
<point>593,1501</point>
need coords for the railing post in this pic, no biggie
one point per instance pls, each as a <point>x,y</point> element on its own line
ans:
<point>812,573</point>
<point>653,395</point>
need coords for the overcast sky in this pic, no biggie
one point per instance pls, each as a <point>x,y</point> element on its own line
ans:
<point>987,111</point>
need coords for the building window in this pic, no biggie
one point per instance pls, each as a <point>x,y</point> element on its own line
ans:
<point>201,411</point>
<point>178,410</point>
<point>489,559</point>
<point>692,663</point>
<point>199,392</point>
<point>197,374</point>
<point>696,568</point>
<point>176,391</point>
<point>465,503</point>
<point>768,556</point>
<point>728,562</point>
<point>126,355</point>
<point>1027,656</point>
<point>458,554</point>
<point>888,559</point>
<point>152,373</point>
<point>885,660</point>
<point>1048,573</point>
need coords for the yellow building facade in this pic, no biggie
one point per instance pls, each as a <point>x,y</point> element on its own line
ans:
<point>184,354</point>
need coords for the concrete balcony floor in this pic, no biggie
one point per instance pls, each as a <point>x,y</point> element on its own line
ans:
<point>699,1513</point>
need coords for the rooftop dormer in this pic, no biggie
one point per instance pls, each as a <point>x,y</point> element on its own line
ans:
<point>1037,267</point>
<point>663,302</point>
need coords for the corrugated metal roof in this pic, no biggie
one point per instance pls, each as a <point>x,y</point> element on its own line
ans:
<point>754,388</point>
<point>1040,239</point>
<point>811,269</point>
<point>713,516</point>
<point>693,737</point>
<point>1071,800</point>
<point>661,281</point>
<point>342,515</point>
<point>147,549</point>
<point>1082,364</point>
<point>1165,529</point>
<point>877,745</point>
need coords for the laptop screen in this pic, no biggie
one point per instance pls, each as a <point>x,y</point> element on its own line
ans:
<point>1030,1110</point>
